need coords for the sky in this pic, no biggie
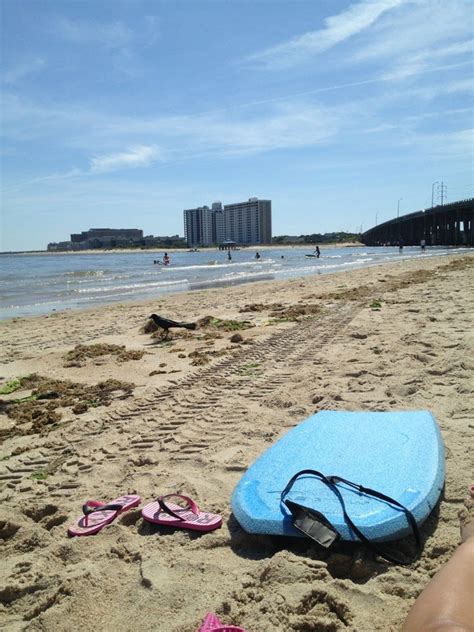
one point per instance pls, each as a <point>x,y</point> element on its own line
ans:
<point>122,113</point>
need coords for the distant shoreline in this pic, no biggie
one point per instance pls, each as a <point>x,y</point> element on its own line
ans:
<point>114,251</point>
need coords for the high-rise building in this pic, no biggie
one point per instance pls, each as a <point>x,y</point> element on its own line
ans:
<point>244,222</point>
<point>249,222</point>
<point>219,226</point>
<point>198,226</point>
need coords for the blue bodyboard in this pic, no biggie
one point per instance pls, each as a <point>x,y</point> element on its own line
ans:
<point>400,454</point>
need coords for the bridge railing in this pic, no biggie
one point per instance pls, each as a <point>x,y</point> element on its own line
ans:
<point>449,224</point>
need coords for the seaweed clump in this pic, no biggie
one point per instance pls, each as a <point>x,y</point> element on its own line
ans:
<point>284,313</point>
<point>223,324</point>
<point>79,355</point>
<point>40,411</point>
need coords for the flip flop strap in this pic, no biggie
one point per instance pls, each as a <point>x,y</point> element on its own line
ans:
<point>191,505</point>
<point>90,507</point>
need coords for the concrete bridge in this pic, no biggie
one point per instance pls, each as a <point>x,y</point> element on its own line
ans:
<point>446,225</point>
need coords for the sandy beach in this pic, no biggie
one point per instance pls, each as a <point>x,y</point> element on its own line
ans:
<point>125,411</point>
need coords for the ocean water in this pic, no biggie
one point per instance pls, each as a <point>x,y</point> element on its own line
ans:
<point>40,284</point>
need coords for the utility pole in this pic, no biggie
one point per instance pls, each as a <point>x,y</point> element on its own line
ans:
<point>443,191</point>
<point>432,193</point>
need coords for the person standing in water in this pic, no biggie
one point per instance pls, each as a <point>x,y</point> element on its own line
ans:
<point>229,256</point>
<point>166,259</point>
<point>317,252</point>
<point>257,255</point>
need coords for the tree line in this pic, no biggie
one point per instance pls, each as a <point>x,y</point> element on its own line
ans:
<point>320,238</point>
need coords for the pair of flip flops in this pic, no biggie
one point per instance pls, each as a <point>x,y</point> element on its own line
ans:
<point>97,515</point>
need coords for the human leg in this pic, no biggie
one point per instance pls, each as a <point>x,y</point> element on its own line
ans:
<point>447,603</point>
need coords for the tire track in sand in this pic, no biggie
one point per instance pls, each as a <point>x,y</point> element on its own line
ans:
<point>188,417</point>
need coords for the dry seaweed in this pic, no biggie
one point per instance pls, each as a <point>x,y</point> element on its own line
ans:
<point>284,313</point>
<point>349,294</point>
<point>203,356</point>
<point>149,327</point>
<point>80,354</point>
<point>224,325</point>
<point>41,410</point>
<point>261,307</point>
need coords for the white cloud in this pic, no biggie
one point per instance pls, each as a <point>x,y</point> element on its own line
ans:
<point>456,86</point>
<point>151,30</point>
<point>265,127</point>
<point>23,119</point>
<point>111,35</point>
<point>107,34</point>
<point>405,37</point>
<point>268,126</point>
<point>23,69</point>
<point>422,27</point>
<point>415,67</point>
<point>424,36</point>
<point>281,125</point>
<point>456,144</point>
<point>458,48</point>
<point>288,122</point>
<point>461,85</point>
<point>438,114</point>
<point>338,28</point>
<point>136,156</point>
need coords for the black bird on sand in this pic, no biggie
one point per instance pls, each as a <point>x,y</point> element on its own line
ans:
<point>167,324</point>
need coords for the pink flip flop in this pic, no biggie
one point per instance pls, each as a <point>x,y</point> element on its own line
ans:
<point>173,515</point>
<point>212,623</point>
<point>98,514</point>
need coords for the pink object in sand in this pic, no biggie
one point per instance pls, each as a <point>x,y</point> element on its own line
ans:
<point>212,623</point>
<point>98,514</point>
<point>172,515</point>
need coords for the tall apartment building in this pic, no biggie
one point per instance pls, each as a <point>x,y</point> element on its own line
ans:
<point>249,222</point>
<point>198,226</point>
<point>218,224</point>
<point>244,222</point>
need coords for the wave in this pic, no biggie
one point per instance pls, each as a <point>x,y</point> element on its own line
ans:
<point>86,273</point>
<point>216,263</point>
<point>201,285</point>
<point>132,286</point>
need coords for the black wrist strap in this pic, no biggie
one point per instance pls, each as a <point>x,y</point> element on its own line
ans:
<point>316,526</point>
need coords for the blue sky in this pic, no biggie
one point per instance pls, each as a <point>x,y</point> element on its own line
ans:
<point>122,113</point>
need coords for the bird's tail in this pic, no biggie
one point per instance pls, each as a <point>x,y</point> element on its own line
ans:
<point>189,325</point>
